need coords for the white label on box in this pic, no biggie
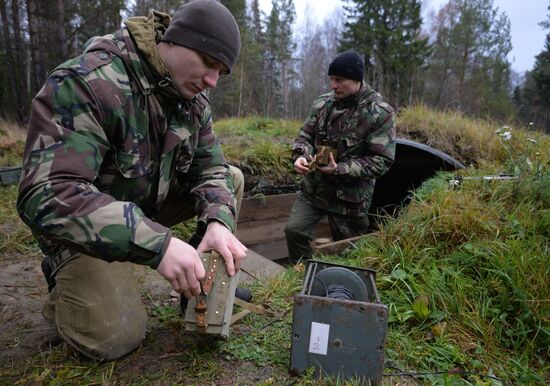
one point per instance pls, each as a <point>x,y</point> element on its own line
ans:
<point>318,341</point>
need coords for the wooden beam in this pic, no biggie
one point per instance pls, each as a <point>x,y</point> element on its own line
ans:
<point>337,247</point>
<point>266,207</point>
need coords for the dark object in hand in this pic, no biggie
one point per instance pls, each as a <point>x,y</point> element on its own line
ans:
<point>323,155</point>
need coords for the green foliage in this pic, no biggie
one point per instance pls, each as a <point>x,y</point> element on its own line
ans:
<point>466,276</point>
<point>261,147</point>
<point>185,230</point>
<point>534,99</point>
<point>265,341</point>
<point>11,156</point>
<point>15,237</point>
<point>267,159</point>
<point>468,69</point>
<point>388,34</point>
<point>469,140</point>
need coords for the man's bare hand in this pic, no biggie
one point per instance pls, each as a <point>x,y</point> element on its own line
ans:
<point>221,240</point>
<point>302,166</point>
<point>182,268</point>
<point>329,168</point>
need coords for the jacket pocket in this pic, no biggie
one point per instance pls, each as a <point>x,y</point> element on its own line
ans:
<point>132,165</point>
<point>358,194</point>
<point>351,146</point>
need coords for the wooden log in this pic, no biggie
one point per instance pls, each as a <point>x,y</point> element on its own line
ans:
<point>337,247</point>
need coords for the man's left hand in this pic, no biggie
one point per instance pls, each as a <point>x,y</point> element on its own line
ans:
<point>221,240</point>
<point>329,168</point>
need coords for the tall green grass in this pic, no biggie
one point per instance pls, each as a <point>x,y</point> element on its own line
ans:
<point>465,270</point>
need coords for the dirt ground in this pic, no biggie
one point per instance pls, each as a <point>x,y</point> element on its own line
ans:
<point>30,351</point>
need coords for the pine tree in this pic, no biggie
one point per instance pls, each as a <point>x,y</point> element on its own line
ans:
<point>541,75</point>
<point>469,69</point>
<point>387,33</point>
<point>535,99</point>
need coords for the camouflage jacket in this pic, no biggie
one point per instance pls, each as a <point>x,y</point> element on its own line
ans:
<point>103,150</point>
<point>362,130</point>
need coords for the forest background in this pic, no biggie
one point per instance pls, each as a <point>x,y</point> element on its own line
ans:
<point>460,63</point>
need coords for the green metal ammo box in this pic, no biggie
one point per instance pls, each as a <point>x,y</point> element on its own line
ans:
<point>339,324</point>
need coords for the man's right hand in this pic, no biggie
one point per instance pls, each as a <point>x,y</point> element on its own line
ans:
<point>302,165</point>
<point>182,268</point>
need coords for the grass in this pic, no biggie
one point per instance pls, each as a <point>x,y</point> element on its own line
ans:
<point>14,236</point>
<point>464,270</point>
<point>261,147</point>
<point>12,143</point>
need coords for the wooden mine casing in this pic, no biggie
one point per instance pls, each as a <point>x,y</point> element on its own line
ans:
<point>219,300</point>
<point>323,155</point>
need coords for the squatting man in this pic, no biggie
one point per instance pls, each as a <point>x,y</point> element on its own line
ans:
<point>120,147</point>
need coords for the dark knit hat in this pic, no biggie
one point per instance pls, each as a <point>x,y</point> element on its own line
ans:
<point>348,64</point>
<point>206,26</point>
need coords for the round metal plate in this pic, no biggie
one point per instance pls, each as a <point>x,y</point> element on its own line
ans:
<point>339,276</point>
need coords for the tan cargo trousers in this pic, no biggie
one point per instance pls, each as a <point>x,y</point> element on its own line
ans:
<point>96,306</point>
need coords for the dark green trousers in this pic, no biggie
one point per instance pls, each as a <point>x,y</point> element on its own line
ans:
<point>301,225</point>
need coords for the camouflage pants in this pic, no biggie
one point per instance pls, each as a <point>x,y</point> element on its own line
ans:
<point>96,306</point>
<point>300,228</point>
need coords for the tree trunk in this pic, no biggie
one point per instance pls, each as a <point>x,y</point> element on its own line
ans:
<point>37,61</point>
<point>61,34</point>
<point>11,94</point>
<point>20,65</point>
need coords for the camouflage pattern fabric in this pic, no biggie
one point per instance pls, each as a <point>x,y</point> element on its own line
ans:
<point>362,129</point>
<point>106,143</point>
<point>299,230</point>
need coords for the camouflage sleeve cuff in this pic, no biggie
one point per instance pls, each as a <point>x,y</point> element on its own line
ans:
<point>149,242</point>
<point>220,213</point>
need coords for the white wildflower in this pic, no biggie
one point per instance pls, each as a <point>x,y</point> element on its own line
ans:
<point>506,136</point>
<point>453,184</point>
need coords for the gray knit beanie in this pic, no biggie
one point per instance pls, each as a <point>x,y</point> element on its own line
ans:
<point>206,26</point>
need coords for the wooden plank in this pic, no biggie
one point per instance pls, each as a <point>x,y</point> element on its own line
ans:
<point>263,231</point>
<point>262,222</point>
<point>254,232</point>
<point>235,318</point>
<point>266,207</point>
<point>337,247</point>
<point>260,310</point>
<point>260,267</point>
<point>272,250</point>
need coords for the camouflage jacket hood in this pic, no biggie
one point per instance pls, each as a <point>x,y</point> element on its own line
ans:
<point>362,130</point>
<point>102,154</point>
